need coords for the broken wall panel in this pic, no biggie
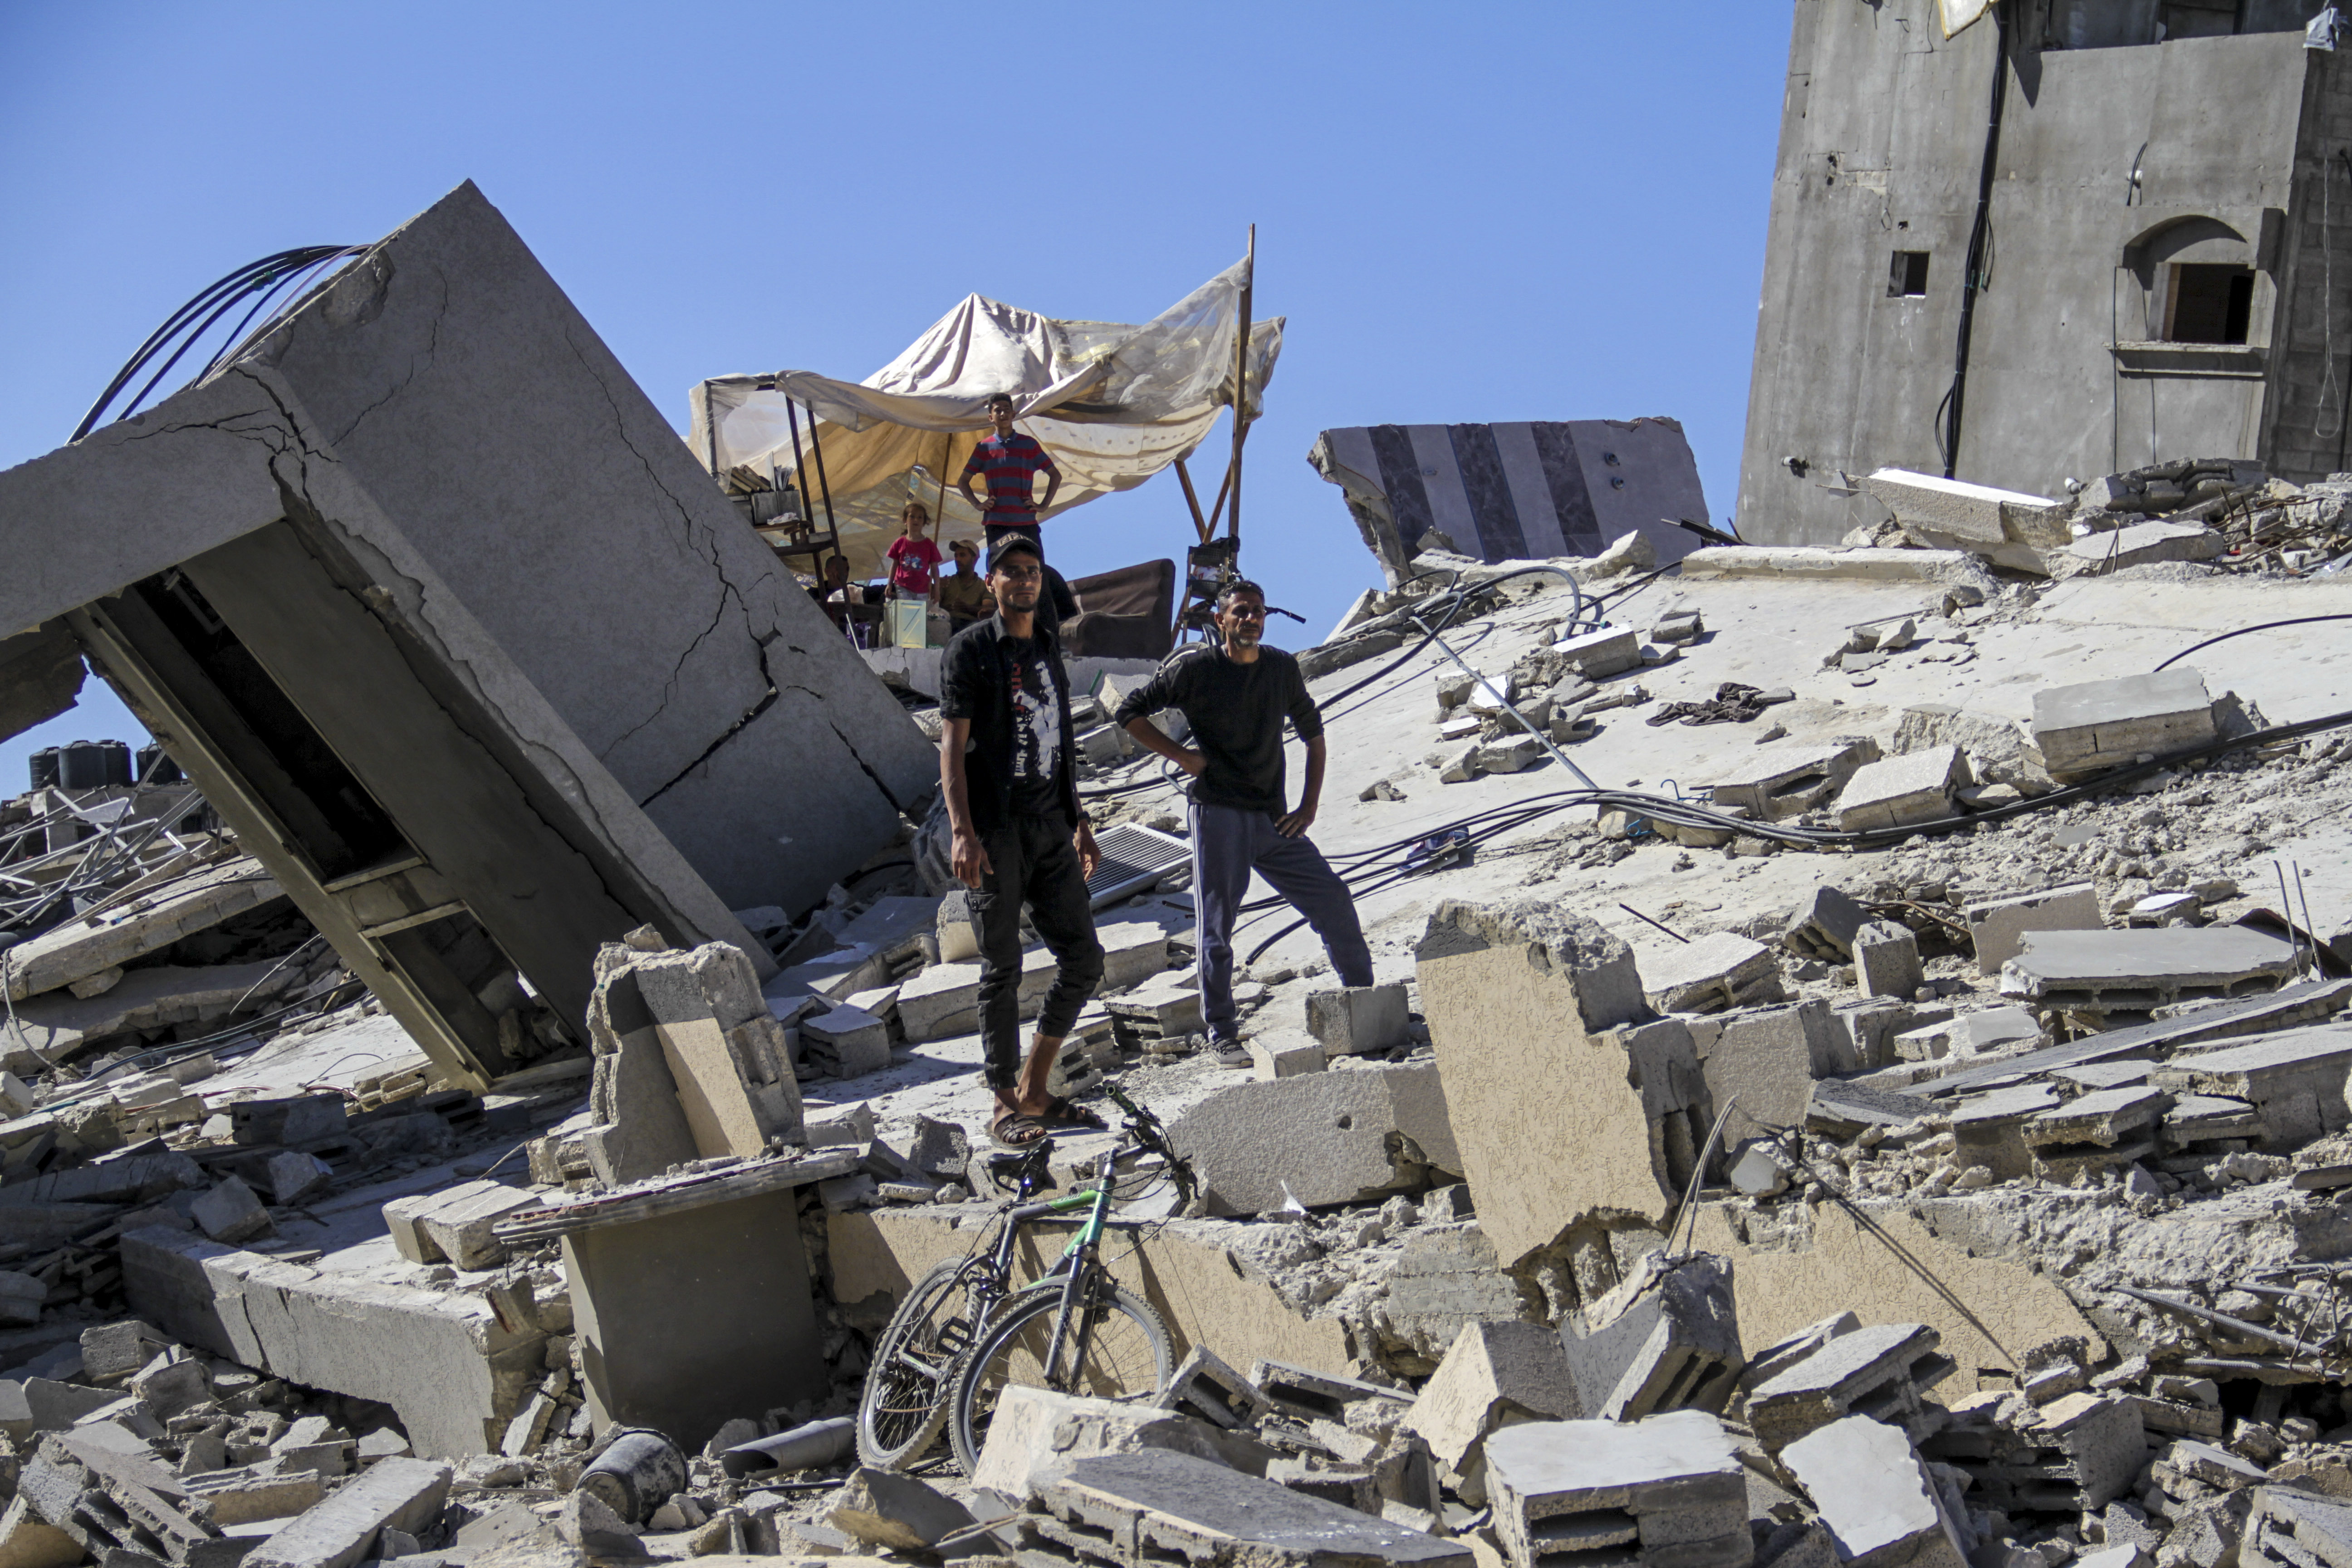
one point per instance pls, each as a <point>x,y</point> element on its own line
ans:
<point>1515,491</point>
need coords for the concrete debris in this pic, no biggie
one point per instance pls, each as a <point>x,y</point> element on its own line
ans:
<point>2101,972</point>
<point>1665,1339</point>
<point>1877,1500</point>
<point>1881,1371</point>
<point>1712,974</point>
<point>1493,1372</point>
<point>2111,723</point>
<point>1369,1020</point>
<point>895,1513</point>
<point>1668,1487</point>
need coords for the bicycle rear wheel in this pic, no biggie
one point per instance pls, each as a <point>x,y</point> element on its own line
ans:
<point>905,1401</point>
<point>1127,1356</point>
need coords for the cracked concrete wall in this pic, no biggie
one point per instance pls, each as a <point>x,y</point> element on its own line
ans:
<point>443,409</point>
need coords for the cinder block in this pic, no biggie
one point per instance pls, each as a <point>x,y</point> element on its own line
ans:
<point>1712,973</point>
<point>1203,1386</point>
<point>1597,655</point>
<point>1879,1372</point>
<point>1998,926</point>
<point>1361,1020</point>
<point>1286,1055</point>
<point>1886,961</point>
<point>1823,925</point>
<point>1666,1484</point>
<point>1780,781</point>
<point>847,1042</point>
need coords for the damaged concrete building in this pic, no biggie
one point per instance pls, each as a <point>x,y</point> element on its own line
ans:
<point>2075,237</point>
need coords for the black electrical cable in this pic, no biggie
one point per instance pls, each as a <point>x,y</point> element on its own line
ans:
<point>2241,631</point>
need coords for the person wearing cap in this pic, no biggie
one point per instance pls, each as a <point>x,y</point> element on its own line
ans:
<point>1008,769</point>
<point>1236,693</point>
<point>963,593</point>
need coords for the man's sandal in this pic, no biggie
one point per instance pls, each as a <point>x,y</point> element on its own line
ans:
<point>1013,1130</point>
<point>1060,1115</point>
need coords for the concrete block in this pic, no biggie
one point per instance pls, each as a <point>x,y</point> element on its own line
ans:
<point>1787,1351</point>
<point>2139,970</point>
<point>171,1382</point>
<point>1562,1111</point>
<point>847,1042</point>
<point>230,1213</point>
<point>1612,651</point>
<point>2145,544</point>
<point>28,1541</point>
<point>110,1352</point>
<point>1362,1020</point>
<point>1782,780</point>
<point>1711,973</point>
<point>895,1513</point>
<point>958,929</point>
<point>2295,1081</point>
<point>1321,1396</point>
<point>455,1223</point>
<point>1769,1060</point>
<point>1133,951</point>
<point>1916,786</point>
<point>1493,1373</point>
<point>395,1494</point>
<point>1508,754</point>
<point>1823,925</point>
<point>944,1000</point>
<point>1286,1055</point>
<point>1989,1130</point>
<point>1869,1028</point>
<point>1670,1485</point>
<point>2108,723</point>
<point>1886,961</point>
<point>1998,925</point>
<point>1667,1338</point>
<point>1323,1138</point>
<point>1996,1031</point>
<point>1153,1506</point>
<point>1876,1498</point>
<point>294,1176</point>
<point>1879,1372</point>
<point>1037,1429</point>
<point>1944,513</point>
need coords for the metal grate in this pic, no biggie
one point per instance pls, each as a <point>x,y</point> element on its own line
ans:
<point>1133,858</point>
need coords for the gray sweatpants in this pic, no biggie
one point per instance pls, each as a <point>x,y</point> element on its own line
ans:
<point>1229,843</point>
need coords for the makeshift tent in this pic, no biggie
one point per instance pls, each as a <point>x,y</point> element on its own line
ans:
<point>1113,402</point>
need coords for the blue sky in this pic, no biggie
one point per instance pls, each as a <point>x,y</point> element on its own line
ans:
<point>1486,212</point>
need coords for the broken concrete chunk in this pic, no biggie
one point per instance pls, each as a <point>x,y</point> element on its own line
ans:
<point>1205,1386</point>
<point>1886,961</point>
<point>456,1222</point>
<point>1781,781</point>
<point>1942,513</point>
<point>293,1176</point>
<point>1998,925</point>
<point>2099,971</point>
<point>1286,1055</point>
<point>2110,723</point>
<point>1875,1496</point>
<point>589,1523</point>
<point>1899,791</point>
<point>1667,1338</point>
<point>1823,924</point>
<point>896,1512</point>
<point>1879,1372</point>
<point>1668,1485</point>
<point>1154,1506</point>
<point>1036,1429</point>
<point>1767,1060</point>
<point>395,1494</point>
<point>230,1213</point>
<point>297,1118</point>
<point>1321,1138</point>
<point>1712,973</point>
<point>1361,1020</point>
<point>846,1042</point>
<point>2145,544</point>
<point>1493,1371</point>
<point>1599,655</point>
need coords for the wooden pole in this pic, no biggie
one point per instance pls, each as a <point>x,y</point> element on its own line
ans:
<point>1200,523</point>
<point>1240,388</point>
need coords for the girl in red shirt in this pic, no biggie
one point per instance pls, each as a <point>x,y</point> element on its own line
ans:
<point>914,560</point>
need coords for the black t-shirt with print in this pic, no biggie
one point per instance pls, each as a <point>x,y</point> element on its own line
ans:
<point>1036,789</point>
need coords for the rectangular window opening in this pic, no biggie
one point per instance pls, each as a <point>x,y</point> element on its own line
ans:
<point>2211,304</point>
<point>1906,279</point>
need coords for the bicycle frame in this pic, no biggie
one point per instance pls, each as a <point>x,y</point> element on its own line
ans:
<point>1079,1257</point>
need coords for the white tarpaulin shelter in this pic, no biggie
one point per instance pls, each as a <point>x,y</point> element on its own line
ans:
<point>1113,402</point>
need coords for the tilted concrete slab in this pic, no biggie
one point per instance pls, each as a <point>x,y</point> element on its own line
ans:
<point>1875,1496</point>
<point>2105,723</point>
<point>499,602</point>
<point>1675,1474</point>
<point>1560,1111</point>
<point>81,947</point>
<point>1998,926</point>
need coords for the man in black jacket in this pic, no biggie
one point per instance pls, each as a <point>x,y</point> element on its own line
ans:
<point>1008,767</point>
<point>1235,694</point>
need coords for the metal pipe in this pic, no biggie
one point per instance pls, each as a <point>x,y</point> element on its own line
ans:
<point>802,1448</point>
<point>1542,739</point>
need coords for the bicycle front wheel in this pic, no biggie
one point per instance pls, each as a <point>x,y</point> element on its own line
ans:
<point>905,1401</point>
<point>1118,1349</point>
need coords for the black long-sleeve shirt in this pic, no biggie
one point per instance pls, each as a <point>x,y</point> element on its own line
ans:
<point>1237,712</point>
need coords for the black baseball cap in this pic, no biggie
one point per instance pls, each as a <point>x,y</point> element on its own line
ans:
<point>1013,545</point>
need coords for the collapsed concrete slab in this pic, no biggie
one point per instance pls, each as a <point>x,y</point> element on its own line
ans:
<point>106,939</point>
<point>2295,1081</point>
<point>446,1362</point>
<point>1896,792</point>
<point>1712,973</point>
<point>1998,926</point>
<point>1567,1108</point>
<point>1879,1372</point>
<point>1036,1433</point>
<point>429,740</point>
<point>1953,514</point>
<point>1778,782</point>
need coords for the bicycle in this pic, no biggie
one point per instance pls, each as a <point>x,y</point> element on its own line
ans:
<point>905,1401</point>
<point>1078,1331</point>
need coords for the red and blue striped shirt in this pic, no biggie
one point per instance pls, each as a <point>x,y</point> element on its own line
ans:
<point>1011,465</point>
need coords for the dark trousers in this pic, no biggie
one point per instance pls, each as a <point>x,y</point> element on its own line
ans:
<point>1036,864</point>
<point>1228,845</point>
<point>1057,603</point>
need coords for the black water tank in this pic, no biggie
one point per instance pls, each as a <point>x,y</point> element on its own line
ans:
<point>93,765</point>
<point>155,767</point>
<point>45,768</point>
